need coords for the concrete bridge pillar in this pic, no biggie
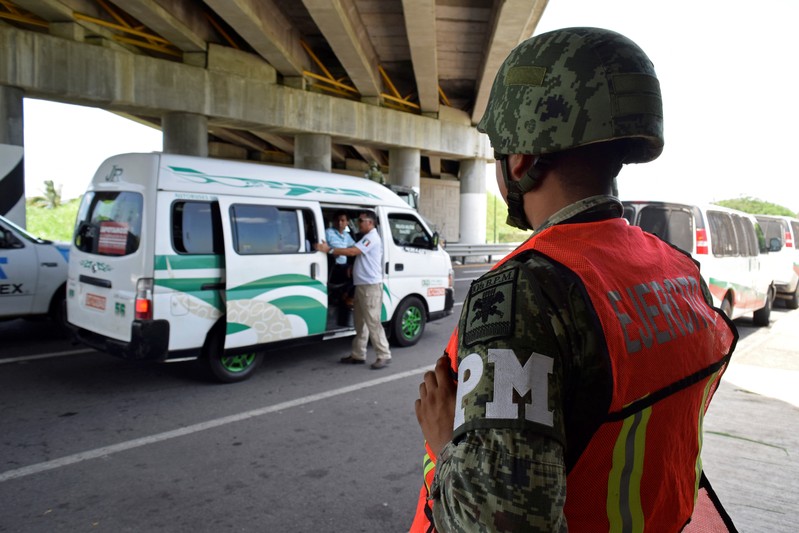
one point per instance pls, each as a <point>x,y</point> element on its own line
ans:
<point>313,151</point>
<point>185,133</point>
<point>473,201</point>
<point>12,167</point>
<point>404,167</point>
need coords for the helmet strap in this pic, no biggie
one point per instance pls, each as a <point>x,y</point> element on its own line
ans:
<point>517,217</point>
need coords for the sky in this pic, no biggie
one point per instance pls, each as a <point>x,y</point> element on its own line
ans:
<point>730,102</point>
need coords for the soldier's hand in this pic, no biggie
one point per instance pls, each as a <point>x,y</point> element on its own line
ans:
<point>435,408</point>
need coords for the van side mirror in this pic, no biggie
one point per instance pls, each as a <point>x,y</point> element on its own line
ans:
<point>436,239</point>
<point>774,245</point>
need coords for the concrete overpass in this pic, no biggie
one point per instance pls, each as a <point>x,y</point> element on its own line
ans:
<point>321,84</point>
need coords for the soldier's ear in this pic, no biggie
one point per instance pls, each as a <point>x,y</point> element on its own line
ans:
<point>519,165</point>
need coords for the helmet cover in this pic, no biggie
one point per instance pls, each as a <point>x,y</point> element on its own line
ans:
<point>572,87</point>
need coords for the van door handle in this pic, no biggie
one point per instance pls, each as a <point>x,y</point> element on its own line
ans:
<point>49,265</point>
<point>399,267</point>
<point>314,270</point>
<point>212,286</point>
<point>95,281</point>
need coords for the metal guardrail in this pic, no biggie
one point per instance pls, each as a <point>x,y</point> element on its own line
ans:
<point>462,251</point>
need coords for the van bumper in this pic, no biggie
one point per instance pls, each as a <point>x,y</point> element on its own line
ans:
<point>149,341</point>
<point>449,303</point>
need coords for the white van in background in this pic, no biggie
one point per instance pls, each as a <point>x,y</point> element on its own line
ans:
<point>33,275</point>
<point>728,245</point>
<point>177,257</point>
<point>786,231</point>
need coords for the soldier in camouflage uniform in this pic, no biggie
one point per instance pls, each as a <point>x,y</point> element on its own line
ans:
<point>590,348</point>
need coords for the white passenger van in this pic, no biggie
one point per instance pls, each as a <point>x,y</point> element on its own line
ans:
<point>178,257</point>
<point>728,244</point>
<point>33,274</point>
<point>786,231</point>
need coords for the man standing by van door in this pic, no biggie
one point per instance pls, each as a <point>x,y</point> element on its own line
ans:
<point>367,276</point>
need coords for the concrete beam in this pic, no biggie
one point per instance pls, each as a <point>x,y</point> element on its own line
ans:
<point>420,26</point>
<point>370,154</point>
<point>515,21</point>
<point>51,68</point>
<point>182,24</point>
<point>284,144</point>
<point>346,34</point>
<point>264,27</point>
<point>50,10</point>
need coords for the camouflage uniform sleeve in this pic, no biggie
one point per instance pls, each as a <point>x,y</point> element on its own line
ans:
<point>505,468</point>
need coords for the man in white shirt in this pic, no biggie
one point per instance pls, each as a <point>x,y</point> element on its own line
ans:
<point>367,276</point>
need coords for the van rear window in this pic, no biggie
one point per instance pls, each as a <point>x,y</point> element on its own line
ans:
<point>675,226</point>
<point>109,223</point>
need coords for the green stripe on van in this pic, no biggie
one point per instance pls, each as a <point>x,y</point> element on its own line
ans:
<point>250,290</point>
<point>187,262</point>
<point>192,287</point>
<point>311,311</point>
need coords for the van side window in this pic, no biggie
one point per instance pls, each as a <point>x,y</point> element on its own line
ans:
<point>264,229</point>
<point>407,230</point>
<point>196,228</point>
<point>749,245</point>
<point>724,243</point>
<point>109,223</point>
<point>795,228</point>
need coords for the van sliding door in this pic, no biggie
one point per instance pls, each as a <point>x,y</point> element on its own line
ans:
<point>275,283</point>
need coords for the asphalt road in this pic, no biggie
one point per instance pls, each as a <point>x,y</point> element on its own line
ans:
<point>92,443</point>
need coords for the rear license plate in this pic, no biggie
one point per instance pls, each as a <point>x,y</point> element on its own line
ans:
<point>95,301</point>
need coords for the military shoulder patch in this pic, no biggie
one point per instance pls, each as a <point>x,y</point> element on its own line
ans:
<point>490,307</point>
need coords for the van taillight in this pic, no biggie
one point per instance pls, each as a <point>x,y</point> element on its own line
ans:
<point>144,299</point>
<point>451,280</point>
<point>701,241</point>
<point>788,240</point>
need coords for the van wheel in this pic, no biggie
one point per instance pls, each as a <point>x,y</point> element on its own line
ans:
<point>227,368</point>
<point>761,317</point>
<point>408,323</point>
<point>726,307</point>
<point>793,301</point>
<point>58,310</point>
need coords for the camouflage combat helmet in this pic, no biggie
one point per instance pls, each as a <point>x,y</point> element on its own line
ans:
<point>573,87</point>
<point>568,88</point>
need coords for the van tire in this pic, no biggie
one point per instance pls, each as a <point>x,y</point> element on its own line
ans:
<point>726,307</point>
<point>793,301</point>
<point>58,310</point>
<point>226,368</point>
<point>408,323</point>
<point>761,317</point>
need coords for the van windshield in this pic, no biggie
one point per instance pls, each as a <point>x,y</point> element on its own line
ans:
<point>109,223</point>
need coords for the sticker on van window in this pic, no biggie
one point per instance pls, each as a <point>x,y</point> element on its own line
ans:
<point>113,238</point>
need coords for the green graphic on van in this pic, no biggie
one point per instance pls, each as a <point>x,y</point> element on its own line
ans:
<point>95,266</point>
<point>289,189</point>
<point>188,262</point>
<point>274,316</point>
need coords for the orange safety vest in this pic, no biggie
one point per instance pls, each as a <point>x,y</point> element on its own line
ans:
<point>667,349</point>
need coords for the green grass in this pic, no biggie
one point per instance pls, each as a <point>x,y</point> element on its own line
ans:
<point>55,224</point>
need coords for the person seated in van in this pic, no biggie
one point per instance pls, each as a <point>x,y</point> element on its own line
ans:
<point>338,236</point>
